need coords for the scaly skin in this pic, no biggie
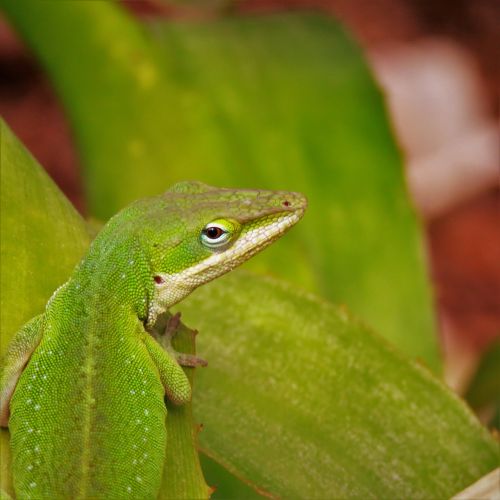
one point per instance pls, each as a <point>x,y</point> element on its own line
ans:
<point>82,385</point>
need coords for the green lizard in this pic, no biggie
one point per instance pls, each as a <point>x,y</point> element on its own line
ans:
<point>82,385</point>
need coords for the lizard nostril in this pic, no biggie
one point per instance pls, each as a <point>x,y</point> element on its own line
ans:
<point>158,280</point>
<point>286,203</point>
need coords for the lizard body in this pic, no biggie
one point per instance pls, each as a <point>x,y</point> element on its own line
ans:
<point>82,385</point>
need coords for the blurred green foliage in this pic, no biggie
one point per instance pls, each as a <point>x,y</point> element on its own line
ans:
<point>281,102</point>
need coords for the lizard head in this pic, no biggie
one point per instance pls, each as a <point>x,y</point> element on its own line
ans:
<point>197,232</point>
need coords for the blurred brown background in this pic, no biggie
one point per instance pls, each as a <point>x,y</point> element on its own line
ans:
<point>425,55</point>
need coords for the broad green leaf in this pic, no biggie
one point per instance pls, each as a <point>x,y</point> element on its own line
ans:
<point>42,238</point>
<point>305,402</point>
<point>280,101</point>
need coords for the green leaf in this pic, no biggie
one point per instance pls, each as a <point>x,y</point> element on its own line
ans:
<point>280,101</point>
<point>305,402</point>
<point>4,495</point>
<point>42,238</point>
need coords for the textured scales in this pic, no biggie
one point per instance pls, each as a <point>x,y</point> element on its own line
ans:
<point>82,385</point>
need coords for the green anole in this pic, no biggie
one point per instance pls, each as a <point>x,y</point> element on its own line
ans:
<point>82,385</point>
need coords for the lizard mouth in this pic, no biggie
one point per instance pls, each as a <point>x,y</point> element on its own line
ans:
<point>262,232</point>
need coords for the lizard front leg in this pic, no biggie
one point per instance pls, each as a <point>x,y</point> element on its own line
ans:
<point>18,354</point>
<point>172,376</point>
<point>164,330</point>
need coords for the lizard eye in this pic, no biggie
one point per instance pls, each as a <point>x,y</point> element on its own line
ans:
<point>213,232</point>
<point>217,233</point>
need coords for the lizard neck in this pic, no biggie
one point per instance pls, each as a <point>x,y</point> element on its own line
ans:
<point>114,276</point>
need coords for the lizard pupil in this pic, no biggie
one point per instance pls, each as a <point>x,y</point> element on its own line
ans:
<point>214,232</point>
